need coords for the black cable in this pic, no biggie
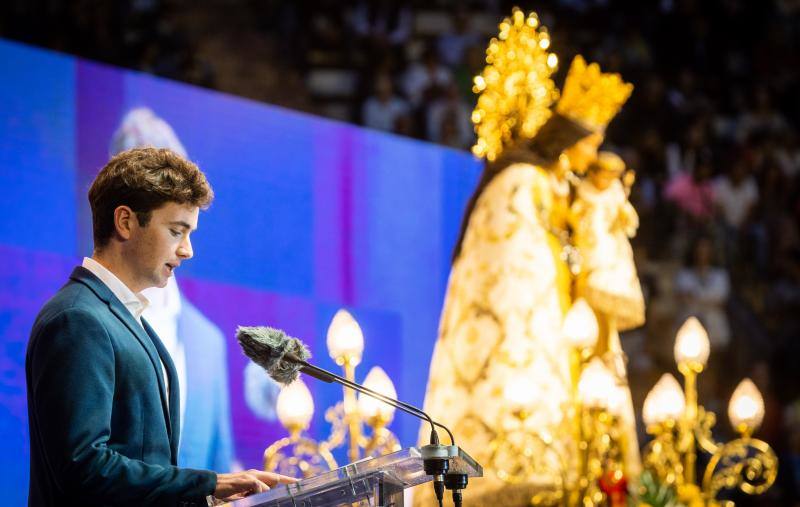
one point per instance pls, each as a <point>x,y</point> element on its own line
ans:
<point>457,497</point>
<point>438,489</point>
<point>410,409</point>
<point>456,483</point>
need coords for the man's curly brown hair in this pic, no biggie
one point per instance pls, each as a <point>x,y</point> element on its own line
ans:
<point>144,179</point>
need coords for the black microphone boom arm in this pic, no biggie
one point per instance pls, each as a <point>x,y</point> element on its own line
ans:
<point>329,377</point>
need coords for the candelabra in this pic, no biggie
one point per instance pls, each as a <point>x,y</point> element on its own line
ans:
<point>578,462</point>
<point>299,454</point>
<point>681,427</point>
<point>345,342</point>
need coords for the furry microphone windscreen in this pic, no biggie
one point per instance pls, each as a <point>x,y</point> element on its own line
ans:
<point>267,346</point>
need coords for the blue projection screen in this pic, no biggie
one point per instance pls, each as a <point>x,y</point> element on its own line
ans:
<point>310,216</point>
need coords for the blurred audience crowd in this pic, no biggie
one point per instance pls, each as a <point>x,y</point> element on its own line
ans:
<point>712,130</point>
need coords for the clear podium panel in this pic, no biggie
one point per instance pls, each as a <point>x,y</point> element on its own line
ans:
<point>372,482</point>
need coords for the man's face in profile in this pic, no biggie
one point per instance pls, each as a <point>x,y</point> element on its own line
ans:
<point>158,248</point>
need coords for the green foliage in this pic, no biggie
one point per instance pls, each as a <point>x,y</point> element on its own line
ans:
<point>653,493</point>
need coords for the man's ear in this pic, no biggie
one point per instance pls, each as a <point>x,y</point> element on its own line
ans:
<point>124,219</point>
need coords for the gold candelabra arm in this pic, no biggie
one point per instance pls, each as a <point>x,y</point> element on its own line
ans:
<point>661,455</point>
<point>518,455</point>
<point>335,415</point>
<point>687,443</point>
<point>745,463</point>
<point>600,450</point>
<point>702,430</point>
<point>298,456</point>
<point>382,441</point>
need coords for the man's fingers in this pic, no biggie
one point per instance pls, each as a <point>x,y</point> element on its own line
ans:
<point>258,486</point>
<point>238,485</point>
<point>272,478</point>
<point>285,479</point>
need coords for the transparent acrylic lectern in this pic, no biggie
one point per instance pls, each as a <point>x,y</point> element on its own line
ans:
<point>375,482</point>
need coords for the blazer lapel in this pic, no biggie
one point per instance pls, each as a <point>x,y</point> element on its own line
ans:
<point>174,389</point>
<point>102,291</point>
<point>125,316</point>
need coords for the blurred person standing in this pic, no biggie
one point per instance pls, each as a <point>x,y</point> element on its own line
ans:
<point>383,110</point>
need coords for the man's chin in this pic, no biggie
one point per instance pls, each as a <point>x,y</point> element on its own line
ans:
<point>163,281</point>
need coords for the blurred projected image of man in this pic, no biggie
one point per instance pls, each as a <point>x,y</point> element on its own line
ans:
<point>195,343</point>
<point>103,393</point>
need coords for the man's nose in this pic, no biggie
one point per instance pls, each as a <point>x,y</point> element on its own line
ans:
<point>185,248</point>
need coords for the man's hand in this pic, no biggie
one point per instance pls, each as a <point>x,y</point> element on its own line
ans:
<point>241,484</point>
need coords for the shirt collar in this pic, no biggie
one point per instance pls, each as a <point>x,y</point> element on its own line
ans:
<point>135,303</point>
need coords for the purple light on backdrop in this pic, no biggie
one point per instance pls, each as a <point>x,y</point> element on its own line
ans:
<point>311,215</point>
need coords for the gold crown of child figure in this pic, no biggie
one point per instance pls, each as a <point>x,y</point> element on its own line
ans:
<point>591,97</point>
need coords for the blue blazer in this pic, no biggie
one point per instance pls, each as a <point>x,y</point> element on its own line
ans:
<point>206,429</point>
<point>101,431</point>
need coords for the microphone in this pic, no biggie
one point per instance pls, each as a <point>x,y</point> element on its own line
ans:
<point>283,357</point>
<point>268,347</point>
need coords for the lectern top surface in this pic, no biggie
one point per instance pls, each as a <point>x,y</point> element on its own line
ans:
<point>358,481</point>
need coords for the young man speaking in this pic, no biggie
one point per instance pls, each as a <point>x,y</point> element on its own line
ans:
<point>102,390</point>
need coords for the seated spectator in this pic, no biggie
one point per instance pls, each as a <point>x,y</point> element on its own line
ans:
<point>464,74</point>
<point>424,81</point>
<point>453,44</point>
<point>784,271</point>
<point>383,110</point>
<point>449,131</point>
<point>735,195</point>
<point>736,199</point>
<point>767,231</point>
<point>788,154</point>
<point>383,26</point>
<point>403,126</point>
<point>636,50</point>
<point>703,289</point>
<point>762,117</point>
<point>448,120</point>
<point>692,191</point>
<point>683,96</point>
<point>791,457</point>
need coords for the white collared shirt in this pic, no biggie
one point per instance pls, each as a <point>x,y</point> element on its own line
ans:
<point>163,314</point>
<point>135,303</point>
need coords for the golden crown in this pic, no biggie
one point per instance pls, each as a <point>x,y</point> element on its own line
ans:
<point>591,97</point>
<point>515,88</point>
